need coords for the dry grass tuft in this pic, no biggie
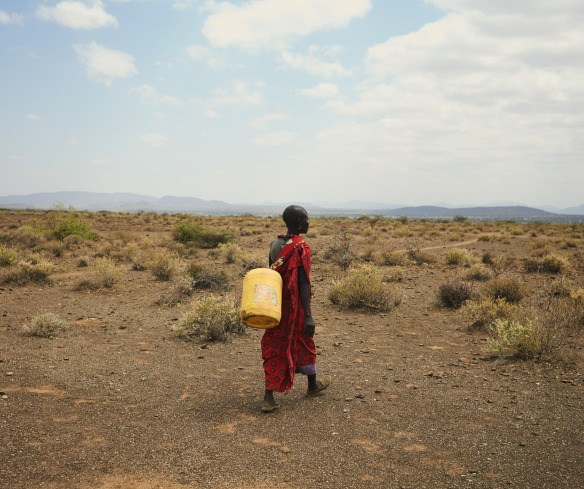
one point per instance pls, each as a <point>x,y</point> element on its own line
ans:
<point>363,288</point>
<point>210,318</point>
<point>46,325</point>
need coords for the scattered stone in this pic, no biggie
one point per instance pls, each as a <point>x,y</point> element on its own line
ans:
<point>284,449</point>
<point>9,374</point>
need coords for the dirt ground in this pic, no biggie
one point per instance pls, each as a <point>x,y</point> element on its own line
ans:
<point>118,401</point>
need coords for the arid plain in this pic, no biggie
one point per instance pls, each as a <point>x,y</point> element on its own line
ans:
<point>420,397</point>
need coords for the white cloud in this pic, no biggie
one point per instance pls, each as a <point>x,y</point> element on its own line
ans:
<point>102,162</point>
<point>33,117</point>
<point>149,95</point>
<point>211,114</point>
<point>241,94</point>
<point>78,14</point>
<point>8,18</point>
<point>276,138</point>
<point>490,94</point>
<point>266,120</point>
<point>212,58</point>
<point>313,65</point>
<point>272,24</point>
<point>104,64</point>
<point>322,90</point>
<point>154,139</point>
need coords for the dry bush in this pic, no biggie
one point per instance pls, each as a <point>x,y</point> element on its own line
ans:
<point>250,262</point>
<point>181,291</point>
<point>394,259</point>
<point>210,318</point>
<point>205,278</point>
<point>454,294</point>
<point>340,252</point>
<point>510,289</point>
<point>34,269</point>
<point>72,241</point>
<point>230,252</point>
<point>484,312</point>
<point>45,325</point>
<point>460,256</point>
<point>550,263</point>
<point>479,273</point>
<point>82,262</point>
<point>163,264</point>
<point>363,288</point>
<point>8,256</point>
<point>107,272</point>
<point>395,274</point>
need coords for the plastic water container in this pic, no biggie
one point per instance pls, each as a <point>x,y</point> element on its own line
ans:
<point>261,299</point>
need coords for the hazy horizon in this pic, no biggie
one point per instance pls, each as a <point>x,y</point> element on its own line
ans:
<point>470,102</point>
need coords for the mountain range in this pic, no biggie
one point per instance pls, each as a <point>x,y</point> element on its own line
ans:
<point>130,202</point>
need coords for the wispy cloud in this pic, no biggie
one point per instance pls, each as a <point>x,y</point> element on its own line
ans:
<point>314,65</point>
<point>104,64</point>
<point>272,24</point>
<point>153,139</point>
<point>240,93</point>
<point>276,138</point>
<point>33,117</point>
<point>267,120</point>
<point>322,90</point>
<point>212,58</point>
<point>150,96</point>
<point>8,18</point>
<point>78,15</point>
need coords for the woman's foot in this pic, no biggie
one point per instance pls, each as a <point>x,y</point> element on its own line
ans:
<point>268,407</point>
<point>319,385</point>
<point>269,403</point>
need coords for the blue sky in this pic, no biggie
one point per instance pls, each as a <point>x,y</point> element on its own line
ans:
<point>409,102</point>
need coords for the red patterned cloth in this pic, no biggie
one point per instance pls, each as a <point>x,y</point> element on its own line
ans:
<point>285,348</point>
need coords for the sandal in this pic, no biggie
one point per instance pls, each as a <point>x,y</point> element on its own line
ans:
<point>268,407</point>
<point>320,386</point>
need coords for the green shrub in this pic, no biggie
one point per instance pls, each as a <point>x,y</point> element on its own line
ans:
<point>195,234</point>
<point>210,318</point>
<point>459,256</point>
<point>69,223</point>
<point>512,338</point>
<point>510,289</point>
<point>454,294</point>
<point>45,325</point>
<point>8,256</point>
<point>484,312</point>
<point>363,288</point>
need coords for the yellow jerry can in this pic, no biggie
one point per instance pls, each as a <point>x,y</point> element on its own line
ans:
<point>261,298</point>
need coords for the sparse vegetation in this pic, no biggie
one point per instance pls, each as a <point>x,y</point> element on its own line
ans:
<point>460,256</point>
<point>45,325</point>
<point>363,288</point>
<point>8,255</point>
<point>484,312</point>
<point>162,264</point>
<point>510,289</point>
<point>211,319</point>
<point>196,234</point>
<point>454,294</point>
<point>107,271</point>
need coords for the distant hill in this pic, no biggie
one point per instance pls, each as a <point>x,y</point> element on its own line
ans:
<point>502,212</point>
<point>130,202</point>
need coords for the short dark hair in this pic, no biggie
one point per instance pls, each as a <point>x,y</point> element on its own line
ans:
<point>292,213</point>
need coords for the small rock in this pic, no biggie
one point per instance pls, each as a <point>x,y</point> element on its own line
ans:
<point>9,374</point>
<point>285,449</point>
